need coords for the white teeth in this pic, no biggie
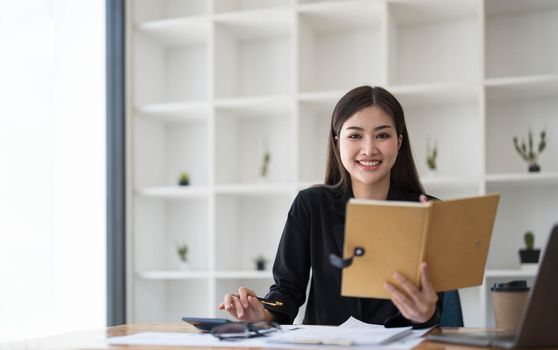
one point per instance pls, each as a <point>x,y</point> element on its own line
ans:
<point>366,163</point>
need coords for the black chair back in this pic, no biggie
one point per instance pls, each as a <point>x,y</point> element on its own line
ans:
<point>452,315</point>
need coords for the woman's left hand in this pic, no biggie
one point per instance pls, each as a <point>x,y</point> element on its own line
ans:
<point>417,305</point>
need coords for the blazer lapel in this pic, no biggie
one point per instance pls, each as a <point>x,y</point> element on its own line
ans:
<point>339,204</point>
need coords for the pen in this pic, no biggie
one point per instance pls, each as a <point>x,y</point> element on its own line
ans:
<point>265,301</point>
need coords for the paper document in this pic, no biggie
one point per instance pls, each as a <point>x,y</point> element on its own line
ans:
<point>345,336</point>
<point>353,323</point>
<point>207,340</point>
<point>352,332</point>
<point>356,323</point>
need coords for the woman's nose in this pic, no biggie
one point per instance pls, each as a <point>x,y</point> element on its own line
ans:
<point>368,146</point>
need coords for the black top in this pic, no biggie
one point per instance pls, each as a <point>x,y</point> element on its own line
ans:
<point>314,229</point>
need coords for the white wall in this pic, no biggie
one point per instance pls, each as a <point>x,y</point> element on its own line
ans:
<point>52,167</point>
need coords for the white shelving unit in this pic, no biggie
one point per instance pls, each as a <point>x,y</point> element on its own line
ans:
<point>213,84</point>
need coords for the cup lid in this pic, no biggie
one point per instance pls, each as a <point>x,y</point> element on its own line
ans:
<point>512,286</point>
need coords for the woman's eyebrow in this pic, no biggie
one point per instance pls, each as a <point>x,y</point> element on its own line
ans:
<point>380,127</point>
<point>354,128</point>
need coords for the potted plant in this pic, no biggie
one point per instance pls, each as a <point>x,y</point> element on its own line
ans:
<point>182,251</point>
<point>529,255</point>
<point>260,261</point>
<point>431,155</point>
<point>528,153</point>
<point>184,179</point>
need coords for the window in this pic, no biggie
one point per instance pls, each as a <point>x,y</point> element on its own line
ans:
<point>52,167</point>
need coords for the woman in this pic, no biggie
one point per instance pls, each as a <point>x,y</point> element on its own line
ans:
<point>369,157</point>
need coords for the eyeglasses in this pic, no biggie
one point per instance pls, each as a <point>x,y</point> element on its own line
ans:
<point>243,330</point>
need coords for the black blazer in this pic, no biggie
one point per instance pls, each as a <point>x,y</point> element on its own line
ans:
<point>314,229</point>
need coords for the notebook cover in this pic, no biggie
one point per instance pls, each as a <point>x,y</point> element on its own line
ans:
<point>398,236</point>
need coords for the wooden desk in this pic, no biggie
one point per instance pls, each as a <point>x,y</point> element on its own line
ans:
<point>93,340</point>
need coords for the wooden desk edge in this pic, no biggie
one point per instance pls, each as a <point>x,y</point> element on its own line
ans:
<point>95,339</point>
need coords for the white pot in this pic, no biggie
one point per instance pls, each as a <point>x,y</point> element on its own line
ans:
<point>431,172</point>
<point>184,265</point>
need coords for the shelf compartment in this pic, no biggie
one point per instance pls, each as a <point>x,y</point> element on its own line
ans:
<point>521,209</point>
<point>314,125</point>
<point>241,141</point>
<point>433,41</point>
<point>221,6</point>
<point>328,33</point>
<point>248,226</point>
<point>174,192</point>
<point>253,53</point>
<point>163,151</point>
<point>516,33</point>
<point>174,74</point>
<point>170,300</point>
<point>514,116</point>
<point>149,10</point>
<point>430,111</point>
<point>178,112</point>
<point>160,225</point>
<point>451,127</point>
<point>450,187</point>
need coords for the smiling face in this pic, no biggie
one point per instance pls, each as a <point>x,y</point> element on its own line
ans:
<point>368,145</point>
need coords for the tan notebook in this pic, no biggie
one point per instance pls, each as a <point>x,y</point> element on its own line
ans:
<point>452,236</point>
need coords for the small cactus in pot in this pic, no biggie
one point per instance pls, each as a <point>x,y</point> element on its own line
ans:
<point>527,152</point>
<point>529,254</point>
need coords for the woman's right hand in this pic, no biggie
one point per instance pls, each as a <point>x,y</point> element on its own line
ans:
<point>246,307</point>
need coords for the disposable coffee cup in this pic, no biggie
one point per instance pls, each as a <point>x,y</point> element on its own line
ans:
<point>509,301</point>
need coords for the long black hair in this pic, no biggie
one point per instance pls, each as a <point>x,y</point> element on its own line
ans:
<point>404,172</point>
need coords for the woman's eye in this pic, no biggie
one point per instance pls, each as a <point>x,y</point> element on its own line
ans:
<point>383,135</point>
<point>354,136</point>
